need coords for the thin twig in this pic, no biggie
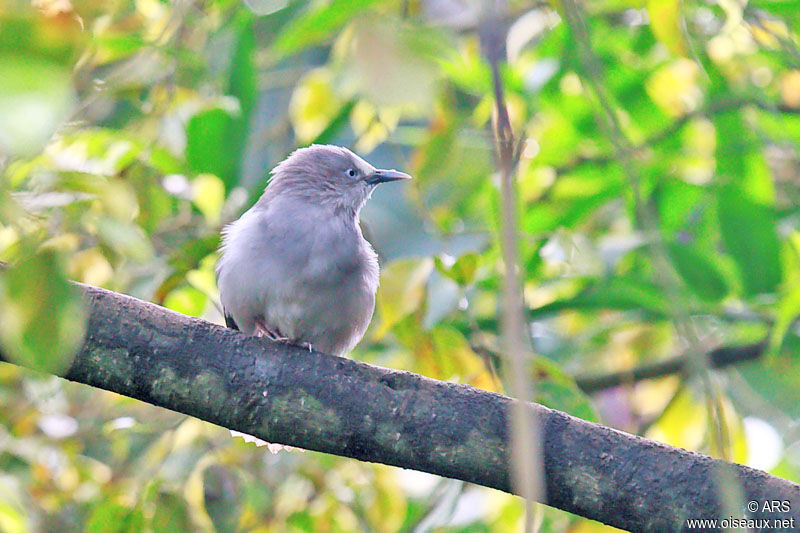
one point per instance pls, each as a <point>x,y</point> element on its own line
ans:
<point>720,357</point>
<point>717,358</point>
<point>526,445</point>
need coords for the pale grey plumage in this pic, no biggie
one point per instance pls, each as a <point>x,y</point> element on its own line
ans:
<point>296,265</point>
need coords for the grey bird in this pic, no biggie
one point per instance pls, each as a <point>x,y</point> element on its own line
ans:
<point>295,267</point>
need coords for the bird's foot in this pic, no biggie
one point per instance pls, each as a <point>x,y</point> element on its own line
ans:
<point>273,334</point>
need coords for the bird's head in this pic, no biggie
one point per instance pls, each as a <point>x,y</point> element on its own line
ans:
<point>329,175</point>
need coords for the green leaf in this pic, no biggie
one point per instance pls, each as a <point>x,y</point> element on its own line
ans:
<point>677,200</point>
<point>42,318</point>
<point>186,300</point>
<point>242,84</point>
<point>300,521</point>
<point>564,398</point>
<point>24,31</point>
<point>37,56</point>
<point>776,380</point>
<point>13,517</point>
<point>318,24</point>
<point>749,233</point>
<point>613,294</point>
<point>788,309</point>
<point>36,96</point>
<point>589,190</point>
<point>185,258</point>
<point>782,8</point>
<point>112,517</point>
<point>116,46</point>
<point>698,270</point>
<point>462,271</point>
<point>783,126</point>
<point>740,161</point>
<point>556,390</point>
<point>170,514</point>
<point>207,147</point>
<point>216,138</point>
<point>125,238</point>
<point>335,126</point>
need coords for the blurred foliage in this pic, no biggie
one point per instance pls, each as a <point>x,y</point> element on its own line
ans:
<point>659,187</point>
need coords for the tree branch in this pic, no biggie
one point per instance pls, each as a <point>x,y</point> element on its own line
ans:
<point>288,395</point>
<point>717,358</point>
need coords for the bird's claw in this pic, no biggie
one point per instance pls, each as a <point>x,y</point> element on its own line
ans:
<point>262,330</point>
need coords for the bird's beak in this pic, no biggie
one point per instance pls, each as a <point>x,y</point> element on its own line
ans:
<point>382,176</point>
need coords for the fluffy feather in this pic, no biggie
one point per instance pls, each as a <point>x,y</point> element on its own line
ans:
<point>296,264</point>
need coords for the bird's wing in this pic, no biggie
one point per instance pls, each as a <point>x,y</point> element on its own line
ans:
<point>240,276</point>
<point>229,321</point>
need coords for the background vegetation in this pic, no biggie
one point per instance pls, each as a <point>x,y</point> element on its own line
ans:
<point>659,217</point>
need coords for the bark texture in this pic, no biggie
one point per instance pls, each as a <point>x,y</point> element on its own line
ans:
<point>288,395</point>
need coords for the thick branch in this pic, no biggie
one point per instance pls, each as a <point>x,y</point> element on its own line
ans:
<point>289,395</point>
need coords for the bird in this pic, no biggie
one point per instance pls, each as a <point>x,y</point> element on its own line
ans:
<point>296,267</point>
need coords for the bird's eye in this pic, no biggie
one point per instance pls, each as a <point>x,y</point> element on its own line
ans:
<point>351,172</point>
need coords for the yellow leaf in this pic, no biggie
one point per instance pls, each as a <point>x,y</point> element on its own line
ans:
<point>590,526</point>
<point>402,291</point>
<point>665,21</point>
<point>313,105</point>
<point>372,125</point>
<point>208,194</point>
<point>683,424</point>
<point>733,429</point>
<point>790,89</point>
<point>66,242</point>
<point>203,279</point>
<point>674,87</point>
<point>387,509</point>
<point>90,266</point>
<point>768,32</point>
<point>119,200</point>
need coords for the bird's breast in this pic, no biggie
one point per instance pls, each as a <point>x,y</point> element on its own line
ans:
<point>311,278</point>
<point>344,264</point>
<point>338,253</point>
